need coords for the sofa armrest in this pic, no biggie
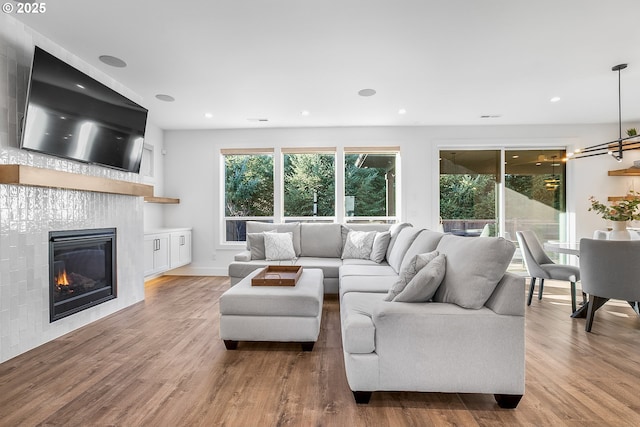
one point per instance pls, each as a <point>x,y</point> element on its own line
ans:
<point>508,297</point>
<point>243,256</point>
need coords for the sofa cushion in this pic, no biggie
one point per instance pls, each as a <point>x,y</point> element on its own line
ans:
<point>474,267</point>
<point>372,284</point>
<point>425,242</point>
<point>425,283</point>
<point>278,246</point>
<point>394,230</point>
<point>330,266</point>
<point>380,245</point>
<point>409,270</point>
<point>359,332</point>
<point>293,227</point>
<point>366,270</point>
<point>401,245</point>
<point>358,245</point>
<point>321,240</point>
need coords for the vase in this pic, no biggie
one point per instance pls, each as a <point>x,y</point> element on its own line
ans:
<point>619,231</point>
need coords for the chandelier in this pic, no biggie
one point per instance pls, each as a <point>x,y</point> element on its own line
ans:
<point>617,147</point>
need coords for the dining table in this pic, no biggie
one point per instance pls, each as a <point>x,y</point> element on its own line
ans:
<point>573,248</point>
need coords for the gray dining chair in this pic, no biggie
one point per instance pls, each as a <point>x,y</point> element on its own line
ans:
<point>540,266</point>
<point>610,269</point>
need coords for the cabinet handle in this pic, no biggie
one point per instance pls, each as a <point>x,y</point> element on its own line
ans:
<point>181,240</point>
<point>156,244</point>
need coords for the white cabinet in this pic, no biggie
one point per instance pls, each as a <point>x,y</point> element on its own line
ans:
<point>180,252</point>
<point>166,249</point>
<point>156,253</point>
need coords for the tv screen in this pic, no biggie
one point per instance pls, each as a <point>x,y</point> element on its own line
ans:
<point>71,115</point>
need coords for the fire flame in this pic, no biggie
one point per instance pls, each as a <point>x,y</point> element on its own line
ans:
<point>62,279</point>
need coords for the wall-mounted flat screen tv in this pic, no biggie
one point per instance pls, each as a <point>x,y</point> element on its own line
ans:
<point>71,115</point>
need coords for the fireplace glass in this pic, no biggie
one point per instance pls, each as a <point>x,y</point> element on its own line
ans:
<point>82,265</point>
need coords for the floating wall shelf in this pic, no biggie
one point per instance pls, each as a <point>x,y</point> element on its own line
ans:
<point>39,177</point>
<point>625,172</point>
<point>164,200</point>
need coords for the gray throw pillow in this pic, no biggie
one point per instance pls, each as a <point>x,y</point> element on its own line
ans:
<point>425,283</point>
<point>474,268</point>
<point>358,245</point>
<point>255,243</point>
<point>278,246</point>
<point>408,272</point>
<point>380,244</point>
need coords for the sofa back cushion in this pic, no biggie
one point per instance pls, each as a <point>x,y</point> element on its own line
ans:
<point>293,227</point>
<point>474,267</point>
<point>426,241</point>
<point>394,230</point>
<point>320,240</point>
<point>401,245</point>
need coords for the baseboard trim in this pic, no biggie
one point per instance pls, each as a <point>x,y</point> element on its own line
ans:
<point>189,270</point>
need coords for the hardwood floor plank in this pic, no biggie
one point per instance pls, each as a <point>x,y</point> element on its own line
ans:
<point>161,363</point>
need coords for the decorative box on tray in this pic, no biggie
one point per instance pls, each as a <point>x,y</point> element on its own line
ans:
<point>277,275</point>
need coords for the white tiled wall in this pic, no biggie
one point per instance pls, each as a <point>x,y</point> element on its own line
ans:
<point>27,214</point>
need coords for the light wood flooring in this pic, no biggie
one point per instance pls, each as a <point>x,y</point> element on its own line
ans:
<point>161,363</point>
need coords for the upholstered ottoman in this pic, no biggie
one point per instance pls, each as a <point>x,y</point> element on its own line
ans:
<point>273,313</point>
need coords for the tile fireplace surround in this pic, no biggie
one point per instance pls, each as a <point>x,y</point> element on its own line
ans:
<point>27,213</point>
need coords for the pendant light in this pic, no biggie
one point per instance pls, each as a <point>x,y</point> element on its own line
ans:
<point>617,147</point>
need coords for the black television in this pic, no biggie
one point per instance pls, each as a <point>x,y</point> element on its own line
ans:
<point>71,115</point>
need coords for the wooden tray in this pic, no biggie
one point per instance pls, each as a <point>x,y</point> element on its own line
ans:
<point>277,275</point>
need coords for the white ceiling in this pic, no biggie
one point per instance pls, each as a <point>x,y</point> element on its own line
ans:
<point>447,62</point>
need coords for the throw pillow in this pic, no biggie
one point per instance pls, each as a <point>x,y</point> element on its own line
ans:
<point>358,245</point>
<point>425,283</point>
<point>278,246</point>
<point>474,268</point>
<point>380,244</point>
<point>255,243</point>
<point>416,264</point>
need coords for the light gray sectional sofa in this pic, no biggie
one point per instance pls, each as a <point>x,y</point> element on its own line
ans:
<point>463,332</point>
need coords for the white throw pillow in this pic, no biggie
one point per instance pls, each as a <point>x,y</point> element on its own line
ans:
<point>380,244</point>
<point>425,283</point>
<point>278,246</point>
<point>358,245</point>
<point>416,264</point>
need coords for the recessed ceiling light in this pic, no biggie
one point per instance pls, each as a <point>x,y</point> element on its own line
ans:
<point>304,113</point>
<point>208,115</point>
<point>555,99</point>
<point>366,92</point>
<point>538,164</point>
<point>402,111</point>
<point>112,61</point>
<point>165,98</point>
<point>515,156</point>
<point>80,86</point>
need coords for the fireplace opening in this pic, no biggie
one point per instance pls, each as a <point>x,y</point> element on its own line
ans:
<point>82,270</point>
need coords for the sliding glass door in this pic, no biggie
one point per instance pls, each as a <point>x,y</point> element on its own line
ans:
<point>498,192</point>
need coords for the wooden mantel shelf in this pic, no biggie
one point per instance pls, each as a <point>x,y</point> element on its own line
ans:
<point>39,177</point>
<point>625,172</point>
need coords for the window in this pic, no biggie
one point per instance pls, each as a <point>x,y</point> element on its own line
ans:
<point>370,184</point>
<point>309,183</point>
<point>248,190</point>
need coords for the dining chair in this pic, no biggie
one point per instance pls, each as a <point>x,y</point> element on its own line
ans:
<point>540,266</point>
<point>609,270</point>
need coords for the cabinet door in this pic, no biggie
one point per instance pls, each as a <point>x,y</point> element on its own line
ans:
<point>149,251</point>
<point>180,248</point>
<point>161,255</point>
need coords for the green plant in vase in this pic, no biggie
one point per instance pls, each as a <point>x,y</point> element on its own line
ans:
<point>621,210</point>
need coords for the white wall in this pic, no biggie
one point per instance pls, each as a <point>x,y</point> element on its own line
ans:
<point>154,212</point>
<point>192,171</point>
